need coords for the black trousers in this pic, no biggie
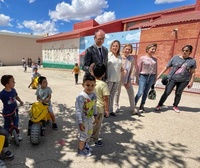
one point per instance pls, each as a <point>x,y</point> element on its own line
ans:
<point>76,78</point>
<point>180,86</point>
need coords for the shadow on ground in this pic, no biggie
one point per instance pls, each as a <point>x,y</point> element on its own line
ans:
<point>60,147</point>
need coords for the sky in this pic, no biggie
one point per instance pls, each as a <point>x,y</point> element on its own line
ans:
<point>40,17</point>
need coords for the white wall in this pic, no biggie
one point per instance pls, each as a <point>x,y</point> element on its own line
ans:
<point>63,52</point>
<point>14,47</point>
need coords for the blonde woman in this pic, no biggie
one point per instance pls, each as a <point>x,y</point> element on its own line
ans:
<point>114,68</point>
<point>126,77</point>
<point>147,70</point>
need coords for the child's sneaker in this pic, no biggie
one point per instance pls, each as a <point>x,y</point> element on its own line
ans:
<point>98,143</point>
<point>2,163</point>
<point>87,147</point>
<point>54,126</point>
<point>84,152</point>
<point>8,155</point>
<point>19,137</point>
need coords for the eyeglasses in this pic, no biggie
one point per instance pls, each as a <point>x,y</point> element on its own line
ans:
<point>185,50</point>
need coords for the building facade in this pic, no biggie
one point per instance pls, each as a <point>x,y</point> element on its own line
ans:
<point>14,47</point>
<point>170,29</point>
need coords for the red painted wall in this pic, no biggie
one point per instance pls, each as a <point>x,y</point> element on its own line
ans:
<point>108,28</point>
<point>85,24</point>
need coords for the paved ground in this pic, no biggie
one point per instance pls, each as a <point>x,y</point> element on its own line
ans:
<point>166,139</point>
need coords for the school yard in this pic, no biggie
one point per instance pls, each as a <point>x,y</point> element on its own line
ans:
<point>155,140</point>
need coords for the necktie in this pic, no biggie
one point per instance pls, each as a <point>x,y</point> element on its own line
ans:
<point>101,54</point>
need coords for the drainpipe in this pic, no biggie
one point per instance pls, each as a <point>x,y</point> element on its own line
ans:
<point>175,40</point>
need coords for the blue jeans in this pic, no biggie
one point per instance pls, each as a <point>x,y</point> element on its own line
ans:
<point>180,86</point>
<point>145,83</point>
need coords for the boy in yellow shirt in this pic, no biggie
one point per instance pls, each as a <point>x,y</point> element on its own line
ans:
<point>76,71</point>
<point>102,92</point>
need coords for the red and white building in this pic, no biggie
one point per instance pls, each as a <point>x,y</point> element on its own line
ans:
<point>171,29</point>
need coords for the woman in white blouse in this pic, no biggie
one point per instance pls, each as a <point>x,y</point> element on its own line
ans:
<point>114,68</point>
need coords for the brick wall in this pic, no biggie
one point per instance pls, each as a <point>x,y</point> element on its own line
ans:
<point>168,46</point>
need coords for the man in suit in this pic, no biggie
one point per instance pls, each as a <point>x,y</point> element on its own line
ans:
<point>96,54</point>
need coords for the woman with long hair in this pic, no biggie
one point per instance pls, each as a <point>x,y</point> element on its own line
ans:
<point>147,70</point>
<point>126,77</point>
<point>114,68</point>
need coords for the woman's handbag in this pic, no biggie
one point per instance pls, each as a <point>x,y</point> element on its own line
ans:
<point>152,93</point>
<point>165,80</point>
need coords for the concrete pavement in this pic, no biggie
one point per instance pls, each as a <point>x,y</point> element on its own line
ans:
<point>166,139</point>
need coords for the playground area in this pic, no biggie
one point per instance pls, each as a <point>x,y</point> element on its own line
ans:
<point>166,139</point>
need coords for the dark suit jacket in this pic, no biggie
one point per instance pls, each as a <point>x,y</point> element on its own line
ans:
<point>92,56</point>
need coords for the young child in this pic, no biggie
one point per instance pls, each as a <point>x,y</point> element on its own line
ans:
<point>85,110</point>
<point>7,154</point>
<point>25,66</point>
<point>44,96</point>
<point>8,97</point>
<point>102,92</point>
<point>76,71</point>
<point>34,65</point>
<point>34,77</point>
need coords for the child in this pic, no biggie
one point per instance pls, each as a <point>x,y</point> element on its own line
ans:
<point>44,96</point>
<point>102,91</point>
<point>34,65</point>
<point>38,61</point>
<point>8,155</point>
<point>34,79</point>
<point>85,109</point>
<point>8,97</point>
<point>25,66</point>
<point>76,71</point>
